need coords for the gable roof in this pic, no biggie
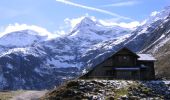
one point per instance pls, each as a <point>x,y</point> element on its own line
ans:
<point>127,49</point>
<point>146,57</point>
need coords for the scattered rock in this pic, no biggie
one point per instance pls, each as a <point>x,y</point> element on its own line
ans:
<point>134,98</point>
<point>124,97</point>
<point>108,90</point>
<point>111,98</point>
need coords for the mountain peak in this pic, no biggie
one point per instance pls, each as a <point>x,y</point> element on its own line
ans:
<point>85,22</point>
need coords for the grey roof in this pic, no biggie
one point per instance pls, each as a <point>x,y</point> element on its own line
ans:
<point>146,57</point>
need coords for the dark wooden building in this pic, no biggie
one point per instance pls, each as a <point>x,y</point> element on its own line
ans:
<point>124,64</point>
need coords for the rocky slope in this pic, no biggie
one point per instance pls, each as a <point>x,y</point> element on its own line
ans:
<point>110,90</point>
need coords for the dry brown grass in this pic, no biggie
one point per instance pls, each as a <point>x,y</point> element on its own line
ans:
<point>6,95</point>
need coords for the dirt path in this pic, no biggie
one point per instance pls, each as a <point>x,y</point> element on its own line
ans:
<point>29,95</point>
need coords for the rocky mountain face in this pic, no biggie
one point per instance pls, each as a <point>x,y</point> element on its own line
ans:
<point>30,61</point>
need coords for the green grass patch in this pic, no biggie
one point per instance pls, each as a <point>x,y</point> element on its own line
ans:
<point>120,92</point>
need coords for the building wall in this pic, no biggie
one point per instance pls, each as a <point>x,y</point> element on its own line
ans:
<point>119,61</point>
<point>147,73</point>
<point>101,69</point>
<point>118,58</point>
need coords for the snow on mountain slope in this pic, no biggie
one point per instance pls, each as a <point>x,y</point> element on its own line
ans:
<point>67,51</point>
<point>89,33</point>
<point>21,38</point>
<point>155,16</point>
<point>89,29</point>
<point>52,60</point>
<point>99,52</point>
<point>154,29</point>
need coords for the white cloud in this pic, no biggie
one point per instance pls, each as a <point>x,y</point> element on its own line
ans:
<point>72,22</point>
<point>119,4</point>
<point>93,9</point>
<point>61,32</point>
<point>129,25</point>
<point>18,27</point>
<point>1,29</point>
<point>154,13</point>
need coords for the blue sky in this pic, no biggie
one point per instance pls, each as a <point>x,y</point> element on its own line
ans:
<point>51,14</point>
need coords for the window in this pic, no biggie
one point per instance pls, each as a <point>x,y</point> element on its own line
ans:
<point>124,58</point>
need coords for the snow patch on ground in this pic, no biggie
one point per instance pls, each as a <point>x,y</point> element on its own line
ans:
<point>16,50</point>
<point>9,66</point>
<point>58,63</point>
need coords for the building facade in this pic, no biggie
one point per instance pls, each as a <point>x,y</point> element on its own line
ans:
<point>124,64</point>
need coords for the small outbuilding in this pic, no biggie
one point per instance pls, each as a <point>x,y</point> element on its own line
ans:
<point>124,64</point>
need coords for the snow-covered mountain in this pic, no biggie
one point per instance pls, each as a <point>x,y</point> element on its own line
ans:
<point>21,38</point>
<point>88,32</point>
<point>160,47</point>
<point>32,62</point>
<point>37,63</point>
<point>154,37</point>
<point>149,32</point>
